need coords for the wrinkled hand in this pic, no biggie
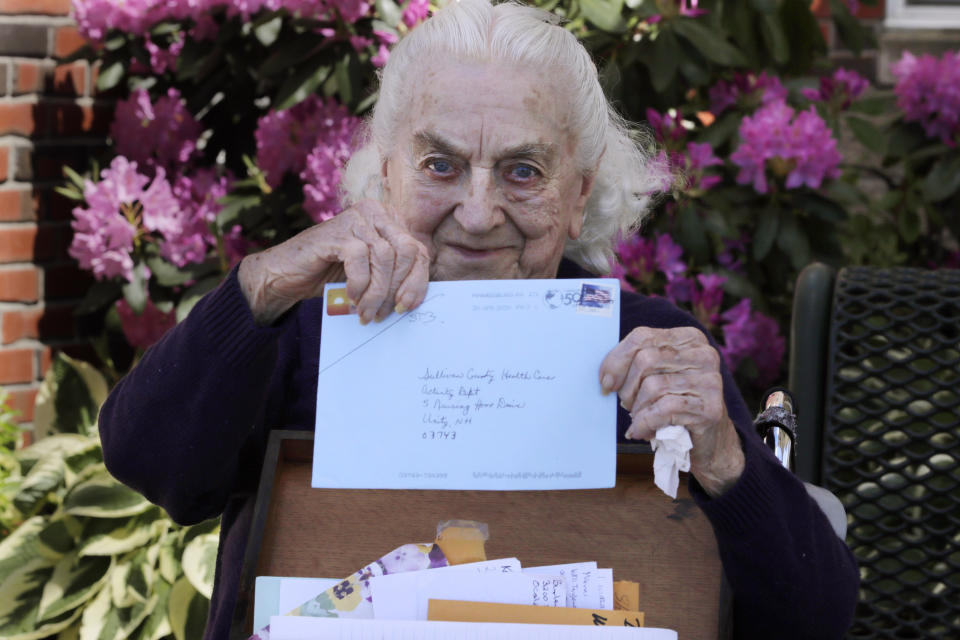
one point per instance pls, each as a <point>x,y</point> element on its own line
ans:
<point>672,377</point>
<point>384,266</point>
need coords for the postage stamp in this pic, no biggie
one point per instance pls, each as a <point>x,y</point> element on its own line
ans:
<point>595,300</point>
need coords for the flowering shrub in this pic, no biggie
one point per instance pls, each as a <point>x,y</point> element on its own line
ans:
<point>235,119</point>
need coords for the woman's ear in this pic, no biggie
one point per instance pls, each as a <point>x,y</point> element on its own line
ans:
<point>587,181</point>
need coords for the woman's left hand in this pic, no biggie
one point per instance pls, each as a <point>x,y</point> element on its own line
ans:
<point>672,377</point>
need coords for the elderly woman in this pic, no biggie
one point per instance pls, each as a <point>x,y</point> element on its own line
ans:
<point>492,153</point>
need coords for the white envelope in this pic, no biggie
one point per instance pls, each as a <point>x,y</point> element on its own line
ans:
<point>487,385</point>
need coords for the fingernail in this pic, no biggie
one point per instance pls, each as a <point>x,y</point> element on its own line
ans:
<point>607,383</point>
<point>399,308</point>
<point>628,434</point>
<point>364,320</point>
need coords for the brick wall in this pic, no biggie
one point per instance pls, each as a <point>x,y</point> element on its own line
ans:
<point>49,117</point>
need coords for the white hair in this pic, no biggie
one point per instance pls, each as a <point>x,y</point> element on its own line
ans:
<point>626,178</point>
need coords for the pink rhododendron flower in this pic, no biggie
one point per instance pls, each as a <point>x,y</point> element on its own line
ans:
<point>383,54</point>
<point>748,88</point>
<point>117,207</point>
<point>928,91</point>
<point>841,88</point>
<point>802,149</point>
<point>617,271</point>
<point>321,177</point>
<point>142,330</point>
<point>667,127</point>
<point>700,156</point>
<point>163,59</point>
<point>190,236</point>
<point>707,298</point>
<point>415,11</point>
<point>163,133</point>
<point>679,289</point>
<point>669,256</point>
<point>637,255</point>
<point>751,334</point>
<point>285,138</point>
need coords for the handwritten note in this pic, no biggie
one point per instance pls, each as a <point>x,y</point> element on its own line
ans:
<point>487,385</point>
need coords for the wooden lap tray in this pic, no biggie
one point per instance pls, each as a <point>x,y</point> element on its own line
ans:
<point>667,546</point>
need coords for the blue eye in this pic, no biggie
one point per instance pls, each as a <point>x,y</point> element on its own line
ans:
<point>523,172</point>
<point>440,166</point>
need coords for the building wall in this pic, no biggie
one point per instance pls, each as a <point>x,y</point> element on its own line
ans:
<point>49,116</point>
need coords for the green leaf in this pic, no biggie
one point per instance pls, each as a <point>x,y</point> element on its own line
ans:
<point>200,562</point>
<point>74,177</point>
<point>875,105</point>
<point>62,444</point>
<point>604,14</point>
<point>775,38</point>
<point>821,207</point>
<point>909,223</point>
<point>943,180</point>
<point>24,547</point>
<point>793,241</point>
<point>157,624</point>
<point>766,233</point>
<point>693,236</point>
<point>74,581</point>
<point>300,85</point>
<point>187,610</point>
<point>100,496</point>
<point>268,31</point>
<point>168,275</point>
<point>103,621</point>
<point>110,76</point>
<point>113,536</point>
<point>135,291</point>
<point>99,296</point>
<point>69,398</point>
<point>389,12</point>
<point>45,477</point>
<point>69,193</point>
<point>192,295</point>
<point>664,57</point>
<point>722,130</point>
<point>903,140</point>
<point>57,537</point>
<point>707,42</point>
<point>868,135</point>
<point>766,7</point>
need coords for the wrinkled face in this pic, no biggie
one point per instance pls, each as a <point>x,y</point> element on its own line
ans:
<point>482,172</point>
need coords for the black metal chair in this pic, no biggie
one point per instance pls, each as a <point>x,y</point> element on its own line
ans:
<point>875,370</point>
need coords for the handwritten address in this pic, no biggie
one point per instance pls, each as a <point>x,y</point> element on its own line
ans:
<point>453,399</point>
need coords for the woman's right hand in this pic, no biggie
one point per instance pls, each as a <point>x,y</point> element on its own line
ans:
<point>384,266</point>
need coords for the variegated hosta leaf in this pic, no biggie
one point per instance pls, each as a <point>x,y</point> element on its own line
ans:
<point>63,445</point>
<point>200,562</point>
<point>168,562</point>
<point>157,624</point>
<point>187,610</point>
<point>207,526</point>
<point>74,581</point>
<point>20,597</point>
<point>112,536</point>
<point>101,496</point>
<point>130,581</point>
<point>79,464</point>
<point>102,621</point>
<point>24,547</point>
<point>45,476</point>
<point>57,536</point>
<point>69,398</point>
<point>70,633</point>
<point>22,624</point>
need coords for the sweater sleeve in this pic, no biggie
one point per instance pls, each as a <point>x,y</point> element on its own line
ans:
<point>187,425</point>
<point>791,576</point>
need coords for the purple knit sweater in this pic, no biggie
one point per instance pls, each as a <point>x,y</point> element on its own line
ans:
<point>188,428</point>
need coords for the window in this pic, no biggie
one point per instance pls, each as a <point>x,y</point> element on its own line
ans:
<point>923,14</point>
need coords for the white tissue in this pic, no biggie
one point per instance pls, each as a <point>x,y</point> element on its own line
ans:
<point>672,446</point>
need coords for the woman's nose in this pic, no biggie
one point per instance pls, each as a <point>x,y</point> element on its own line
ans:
<point>480,210</point>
